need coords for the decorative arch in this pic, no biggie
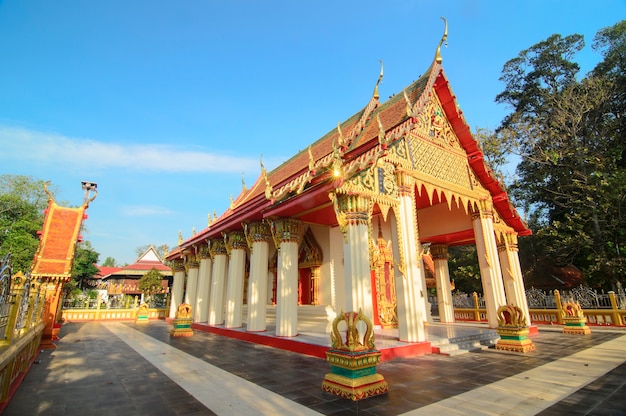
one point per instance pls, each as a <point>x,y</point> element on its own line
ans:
<point>310,257</point>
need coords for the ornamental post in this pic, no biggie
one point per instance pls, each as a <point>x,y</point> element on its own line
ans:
<point>236,247</point>
<point>258,238</point>
<point>218,281</point>
<point>287,233</point>
<point>488,260</point>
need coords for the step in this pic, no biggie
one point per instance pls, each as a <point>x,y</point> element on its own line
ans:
<point>462,345</point>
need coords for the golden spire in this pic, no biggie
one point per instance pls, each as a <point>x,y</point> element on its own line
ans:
<point>340,140</point>
<point>408,103</point>
<point>268,186</point>
<point>311,161</point>
<point>380,79</point>
<point>444,39</point>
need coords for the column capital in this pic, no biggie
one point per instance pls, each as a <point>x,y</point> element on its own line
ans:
<point>178,265</point>
<point>217,247</point>
<point>192,263</point>
<point>439,251</point>
<point>286,230</point>
<point>235,240</point>
<point>203,251</point>
<point>351,209</point>
<point>257,232</point>
<point>405,182</point>
<point>482,209</point>
<point>508,241</point>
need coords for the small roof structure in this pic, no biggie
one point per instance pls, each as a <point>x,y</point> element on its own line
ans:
<point>57,245</point>
<point>131,273</point>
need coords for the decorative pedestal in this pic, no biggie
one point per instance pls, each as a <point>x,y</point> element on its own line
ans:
<point>142,314</point>
<point>574,319</point>
<point>513,330</point>
<point>182,322</point>
<point>353,363</point>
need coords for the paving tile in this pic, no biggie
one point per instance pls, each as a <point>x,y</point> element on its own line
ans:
<point>92,360</point>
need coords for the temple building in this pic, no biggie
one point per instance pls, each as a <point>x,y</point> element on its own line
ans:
<point>125,280</point>
<point>344,224</point>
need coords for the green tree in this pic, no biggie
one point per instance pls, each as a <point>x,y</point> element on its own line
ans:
<point>84,266</point>
<point>22,204</point>
<point>150,283</point>
<point>571,178</point>
<point>109,262</point>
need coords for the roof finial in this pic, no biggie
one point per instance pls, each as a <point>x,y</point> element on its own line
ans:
<point>268,186</point>
<point>243,182</point>
<point>380,79</point>
<point>444,39</point>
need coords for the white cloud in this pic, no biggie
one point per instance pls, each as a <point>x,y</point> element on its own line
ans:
<point>51,148</point>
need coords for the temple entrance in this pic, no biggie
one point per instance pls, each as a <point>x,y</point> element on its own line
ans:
<point>309,262</point>
<point>383,283</point>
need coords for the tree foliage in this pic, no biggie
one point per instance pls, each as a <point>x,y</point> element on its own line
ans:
<point>109,262</point>
<point>150,283</point>
<point>569,135</point>
<point>22,204</point>
<point>85,260</point>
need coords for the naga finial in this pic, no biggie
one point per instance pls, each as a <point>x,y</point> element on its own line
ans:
<point>311,161</point>
<point>380,79</point>
<point>444,39</point>
<point>268,186</point>
<point>341,140</point>
<point>244,188</point>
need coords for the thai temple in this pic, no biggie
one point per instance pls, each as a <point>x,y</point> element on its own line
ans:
<point>344,224</point>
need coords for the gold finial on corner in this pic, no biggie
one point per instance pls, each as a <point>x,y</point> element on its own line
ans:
<point>381,130</point>
<point>244,188</point>
<point>444,39</point>
<point>408,103</point>
<point>232,202</point>
<point>311,161</point>
<point>380,79</point>
<point>180,238</point>
<point>214,215</point>
<point>268,186</point>
<point>193,231</point>
<point>340,140</point>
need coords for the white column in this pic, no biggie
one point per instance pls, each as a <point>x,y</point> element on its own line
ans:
<point>236,247</point>
<point>258,234</point>
<point>410,287</point>
<point>354,211</point>
<point>488,260</point>
<point>201,308</point>
<point>512,274</point>
<point>287,234</point>
<point>178,286</point>
<point>442,277</point>
<point>192,282</point>
<point>218,282</point>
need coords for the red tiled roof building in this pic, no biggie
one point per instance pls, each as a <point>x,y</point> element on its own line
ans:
<point>342,224</point>
<point>125,280</point>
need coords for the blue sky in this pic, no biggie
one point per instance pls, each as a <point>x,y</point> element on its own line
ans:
<point>165,104</point>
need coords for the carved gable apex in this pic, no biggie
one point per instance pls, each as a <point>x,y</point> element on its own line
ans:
<point>310,253</point>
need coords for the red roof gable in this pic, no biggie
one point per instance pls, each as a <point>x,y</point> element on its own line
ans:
<point>363,129</point>
<point>58,241</point>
